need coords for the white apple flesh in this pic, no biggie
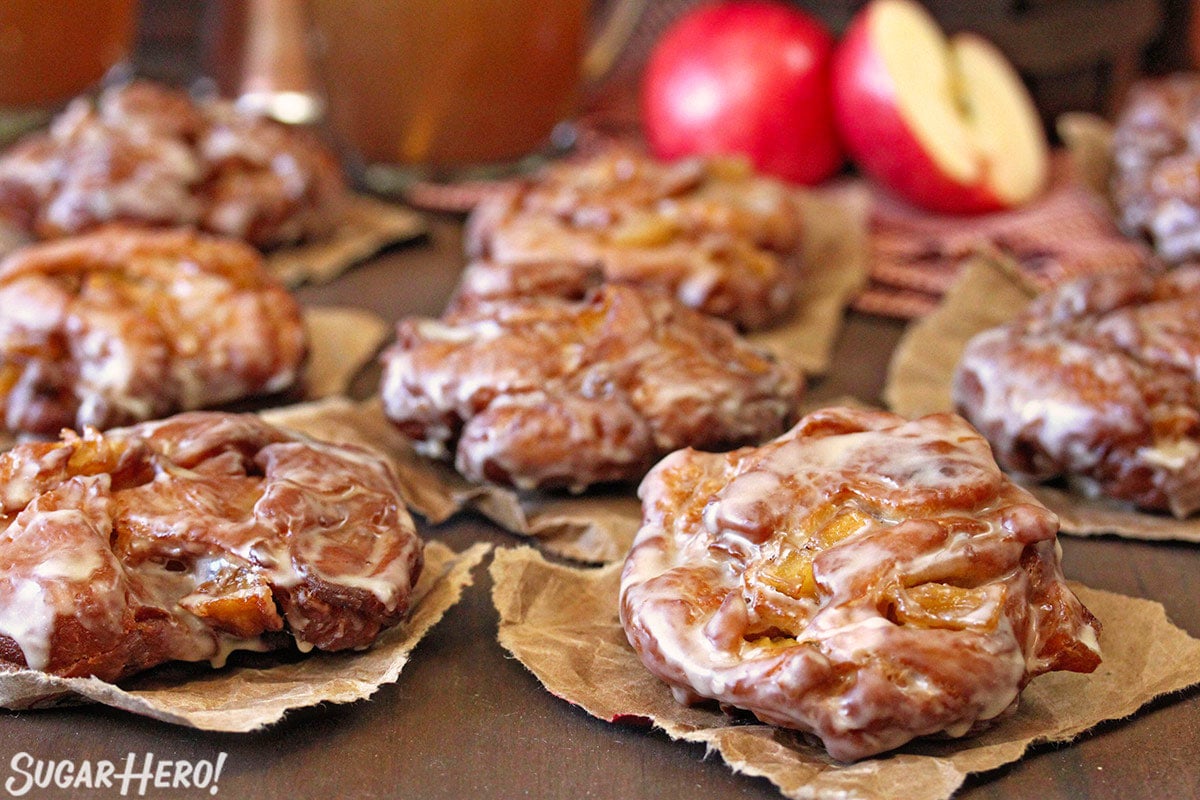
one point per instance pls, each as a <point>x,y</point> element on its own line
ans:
<point>946,124</point>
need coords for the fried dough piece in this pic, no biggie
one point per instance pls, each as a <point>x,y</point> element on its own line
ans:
<point>1155,182</point>
<point>862,578</point>
<point>1097,381</point>
<point>123,325</point>
<point>187,538</point>
<point>713,234</point>
<point>487,281</point>
<point>147,154</point>
<point>548,393</point>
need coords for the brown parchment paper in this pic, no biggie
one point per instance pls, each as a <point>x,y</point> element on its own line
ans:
<point>249,697</point>
<point>1088,139</point>
<point>369,225</point>
<point>561,623</point>
<point>835,268</point>
<point>341,342</point>
<point>988,293</point>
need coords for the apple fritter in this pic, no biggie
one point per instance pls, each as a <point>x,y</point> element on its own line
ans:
<point>542,392</point>
<point>712,233</point>
<point>125,324</point>
<point>150,155</point>
<point>862,578</point>
<point>1097,382</point>
<point>190,537</point>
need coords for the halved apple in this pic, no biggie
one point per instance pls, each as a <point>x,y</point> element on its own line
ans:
<point>946,124</point>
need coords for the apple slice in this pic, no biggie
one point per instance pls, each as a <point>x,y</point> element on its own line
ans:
<point>946,124</point>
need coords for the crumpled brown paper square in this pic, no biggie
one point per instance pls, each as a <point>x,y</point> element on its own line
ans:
<point>561,623</point>
<point>368,226</point>
<point>262,689</point>
<point>1089,139</point>
<point>988,293</point>
<point>835,265</point>
<point>341,342</point>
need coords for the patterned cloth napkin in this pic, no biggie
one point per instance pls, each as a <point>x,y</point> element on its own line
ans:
<point>1067,233</point>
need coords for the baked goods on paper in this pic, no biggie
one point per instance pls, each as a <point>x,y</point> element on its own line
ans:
<point>148,154</point>
<point>1155,158</point>
<point>123,324</point>
<point>592,666</point>
<point>549,393</point>
<point>191,537</point>
<point>991,292</point>
<point>720,238</point>
<point>1096,381</point>
<point>863,578</point>
<point>256,690</point>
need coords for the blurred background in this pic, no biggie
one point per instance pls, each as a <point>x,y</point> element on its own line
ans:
<point>1074,54</point>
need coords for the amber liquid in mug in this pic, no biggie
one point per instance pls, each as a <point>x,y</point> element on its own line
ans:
<point>448,83</point>
<point>51,50</point>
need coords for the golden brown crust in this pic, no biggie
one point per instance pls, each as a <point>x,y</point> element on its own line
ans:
<point>123,324</point>
<point>145,154</point>
<point>1098,382</point>
<point>861,578</point>
<point>719,238</point>
<point>193,536</point>
<point>544,392</point>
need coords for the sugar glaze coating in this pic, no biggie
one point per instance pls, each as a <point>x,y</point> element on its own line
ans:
<point>190,537</point>
<point>548,393</point>
<point>710,232</point>
<point>862,578</point>
<point>1156,164</point>
<point>123,325</point>
<point>1098,381</point>
<point>148,154</point>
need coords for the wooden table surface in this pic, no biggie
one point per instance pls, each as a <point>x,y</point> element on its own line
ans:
<point>465,720</point>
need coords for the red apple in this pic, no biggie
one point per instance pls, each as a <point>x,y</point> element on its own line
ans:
<point>946,124</point>
<point>748,78</point>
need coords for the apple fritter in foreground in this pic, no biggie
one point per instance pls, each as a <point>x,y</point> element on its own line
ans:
<point>188,538</point>
<point>862,578</point>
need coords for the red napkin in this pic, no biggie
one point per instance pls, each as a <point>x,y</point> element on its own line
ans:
<point>1066,233</point>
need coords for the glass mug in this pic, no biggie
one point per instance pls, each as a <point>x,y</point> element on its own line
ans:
<point>52,50</point>
<point>449,89</point>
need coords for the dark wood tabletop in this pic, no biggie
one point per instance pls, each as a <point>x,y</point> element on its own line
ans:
<point>466,720</point>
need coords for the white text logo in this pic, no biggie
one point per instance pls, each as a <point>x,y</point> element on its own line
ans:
<point>136,776</point>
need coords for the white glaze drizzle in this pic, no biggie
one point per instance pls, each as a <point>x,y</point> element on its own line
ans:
<point>343,525</point>
<point>930,473</point>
